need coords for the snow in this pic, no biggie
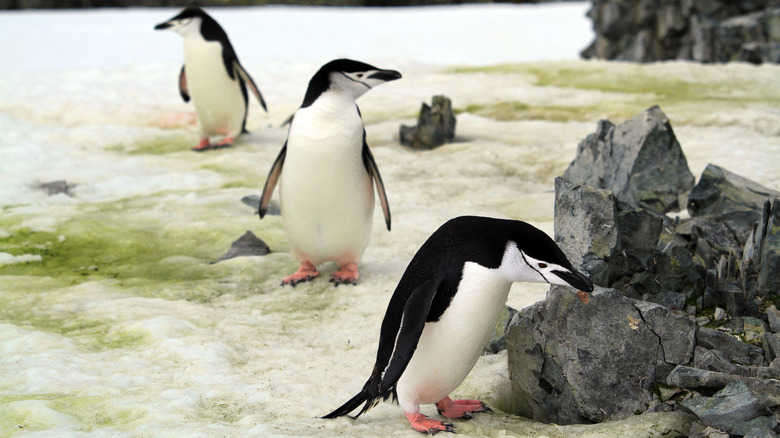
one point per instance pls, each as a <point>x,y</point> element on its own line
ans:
<point>143,336</point>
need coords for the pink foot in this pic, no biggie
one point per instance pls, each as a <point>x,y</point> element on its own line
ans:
<point>347,274</point>
<point>460,408</point>
<point>423,424</point>
<point>203,145</point>
<point>224,143</point>
<point>305,272</point>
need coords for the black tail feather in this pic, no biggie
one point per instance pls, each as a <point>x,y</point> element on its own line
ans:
<point>353,404</point>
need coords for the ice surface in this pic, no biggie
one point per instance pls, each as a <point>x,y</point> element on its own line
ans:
<point>113,322</point>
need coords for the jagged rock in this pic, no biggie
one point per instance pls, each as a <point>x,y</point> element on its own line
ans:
<point>703,30</point>
<point>771,344</point>
<point>736,351</point>
<point>676,332</point>
<point>769,277</point>
<point>728,195</point>
<point>695,378</point>
<point>640,161</point>
<point>732,405</point>
<point>435,125</point>
<point>773,316</point>
<point>246,245</point>
<point>713,360</point>
<point>564,352</point>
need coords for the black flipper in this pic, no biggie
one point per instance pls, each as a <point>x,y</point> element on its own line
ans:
<point>271,181</point>
<point>244,76</point>
<point>382,383</point>
<point>370,164</point>
<point>183,84</point>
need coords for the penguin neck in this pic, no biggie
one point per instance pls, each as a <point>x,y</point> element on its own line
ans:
<point>332,104</point>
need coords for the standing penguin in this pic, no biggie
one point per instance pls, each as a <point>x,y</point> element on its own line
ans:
<point>213,77</point>
<point>326,173</point>
<point>446,306</point>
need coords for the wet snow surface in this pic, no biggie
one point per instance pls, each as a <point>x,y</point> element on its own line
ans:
<point>113,321</point>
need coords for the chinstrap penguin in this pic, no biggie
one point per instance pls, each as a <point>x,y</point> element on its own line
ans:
<point>212,77</point>
<point>444,309</point>
<point>326,173</point>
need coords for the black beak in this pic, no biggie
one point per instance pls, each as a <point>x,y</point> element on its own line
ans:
<point>162,26</point>
<point>386,75</point>
<point>575,280</point>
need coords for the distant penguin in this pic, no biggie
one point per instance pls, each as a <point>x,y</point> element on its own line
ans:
<point>326,173</point>
<point>446,306</point>
<point>213,77</point>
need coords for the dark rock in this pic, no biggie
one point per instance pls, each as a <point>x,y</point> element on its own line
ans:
<point>640,161</point>
<point>56,187</point>
<point>736,351</point>
<point>563,353</point>
<point>497,340</point>
<point>672,300</point>
<point>695,378</point>
<point>713,360</point>
<point>732,405</point>
<point>773,315</point>
<point>769,277</point>
<point>757,424</point>
<point>435,125</point>
<point>761,432</point>
<point>246,245</point>
<point>676,331</point>
<point>729,196</point>
<point>699,430</point>
<point>771,344</point>
<point>703,30</point>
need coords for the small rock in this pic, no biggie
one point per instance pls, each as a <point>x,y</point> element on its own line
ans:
<point>699,430</point>
<point>695,378</point>
<point>771,344</point>
<point>56,187</point>
<point>773,315</point>
<point>246,245</point>
<point>761,432</point>
<point>728,195</point>
<point>757,424</point>
<point>720,314</point>
<point>435,125</point>
<point>736,351</point>
<point>732,405</point>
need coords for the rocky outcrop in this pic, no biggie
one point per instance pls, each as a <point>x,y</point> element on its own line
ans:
<point>435,125</point>
<point>700,30</point>
<point>640,161</point>
<point>684,317</point>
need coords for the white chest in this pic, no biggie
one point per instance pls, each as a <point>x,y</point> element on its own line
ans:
<point>450,347</point>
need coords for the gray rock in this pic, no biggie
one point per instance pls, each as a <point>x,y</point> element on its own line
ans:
<point>435,125</point>
<point>713,360</point>
<point>677,332</point>
<point>56,187</point>
<point>773,315</point>
<point>672,300</point>
<point>736,351</point>
<point>727,195</point>
<point>732,405</point>
<point>246,245</point>
<point>761,432</point>
<point>695,378</point>
<point>699,430</point>
<point>771,344</point>
<point>769,276</point>
<point>757,424</point>
<point>640,161</point>
<point>563,353</point>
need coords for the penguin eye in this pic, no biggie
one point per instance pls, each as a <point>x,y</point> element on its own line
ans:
<point>360,75</point>
<point>542,265</point>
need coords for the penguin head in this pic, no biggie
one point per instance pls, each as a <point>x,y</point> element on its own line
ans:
<point>187,23</point>
<point>530,255</point>
<point>347,76</point>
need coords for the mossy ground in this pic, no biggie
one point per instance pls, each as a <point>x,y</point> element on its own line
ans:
<point>632,88</point>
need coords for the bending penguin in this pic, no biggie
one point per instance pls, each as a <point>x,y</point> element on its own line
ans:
<point>326,173</point>
<point>444,309</point>
<point>212,77</point>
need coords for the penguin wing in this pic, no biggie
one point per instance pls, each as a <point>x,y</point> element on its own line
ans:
<point>244,76</point>
<point>412,323</point>
<point>183,84</point>
<point>270,182</point>
<point>368,161</point>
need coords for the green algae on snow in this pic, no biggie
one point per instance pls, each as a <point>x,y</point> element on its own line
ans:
<point>39,412</point>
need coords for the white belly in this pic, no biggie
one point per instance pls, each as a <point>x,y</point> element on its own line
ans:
<point>217,98</point>
<point>449,348</point>
<point>327,198</point>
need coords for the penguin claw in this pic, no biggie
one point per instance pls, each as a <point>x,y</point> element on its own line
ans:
<point>306,272</point>
<point>421,423</point>
<point>460,408</point>
<point>347,274</point>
